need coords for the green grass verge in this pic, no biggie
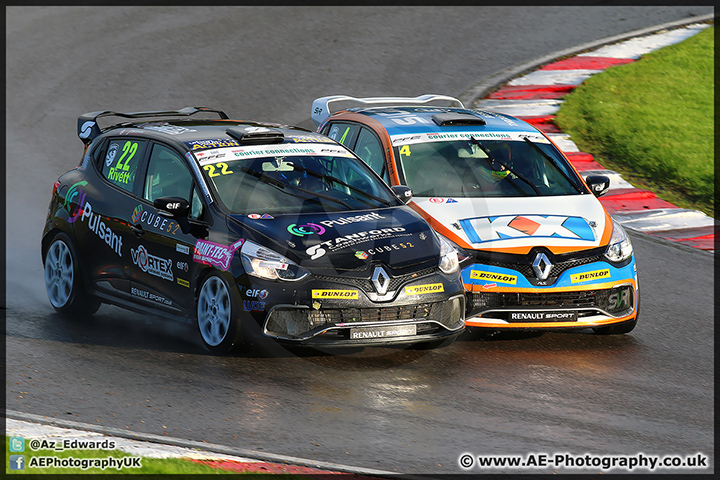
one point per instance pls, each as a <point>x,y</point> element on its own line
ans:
<point>165,466</point>
<point>653,121</point>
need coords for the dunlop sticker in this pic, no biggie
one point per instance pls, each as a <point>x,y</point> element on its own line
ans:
<point>587,276</point>
<point>348,294</point>
<point>493,277</point>
<point>422,289</point>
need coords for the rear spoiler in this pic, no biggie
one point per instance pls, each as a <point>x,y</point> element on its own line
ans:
<point>88,128</point>
<point>321,109</point>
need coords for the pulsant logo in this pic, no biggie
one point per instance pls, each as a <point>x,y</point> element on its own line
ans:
<point>96,224</point>
<point>355,219</point>
<point>73,192</point>
<point>211,253</point>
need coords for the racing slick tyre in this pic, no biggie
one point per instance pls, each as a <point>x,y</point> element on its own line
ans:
<point>217,316</point>
<point>63,280</point>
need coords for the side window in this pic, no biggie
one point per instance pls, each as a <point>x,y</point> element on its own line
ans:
<point>168,176</point>
<point>368,148</point>
<point>344,133</point>
<point>122,160</point>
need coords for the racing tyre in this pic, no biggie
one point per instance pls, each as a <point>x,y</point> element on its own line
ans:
<point>217,316</point>
<point>63,280</point>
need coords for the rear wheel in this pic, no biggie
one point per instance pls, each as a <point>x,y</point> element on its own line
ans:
<point>63,280</point>
<point>217,316</point>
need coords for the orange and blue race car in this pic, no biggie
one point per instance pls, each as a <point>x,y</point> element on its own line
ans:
<point>538,250</point>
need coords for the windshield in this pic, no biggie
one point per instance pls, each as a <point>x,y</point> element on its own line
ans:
<point>477,167</point>
<point>294,179</point>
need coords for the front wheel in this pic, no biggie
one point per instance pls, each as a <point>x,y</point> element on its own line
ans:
<point>63,280</point>
<point>217,316</point>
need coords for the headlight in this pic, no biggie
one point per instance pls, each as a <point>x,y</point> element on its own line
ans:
<point>619,248</point>
<point>268,264</point>
<point>448,257</point>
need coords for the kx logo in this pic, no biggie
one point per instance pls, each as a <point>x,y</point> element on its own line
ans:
<point>487,229</point>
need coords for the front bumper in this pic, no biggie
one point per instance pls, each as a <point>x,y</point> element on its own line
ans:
<point>341,311</point>
<point>591,295</point>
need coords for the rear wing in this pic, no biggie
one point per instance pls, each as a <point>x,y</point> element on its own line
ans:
<point>321,106</point>
<point>88,128</point>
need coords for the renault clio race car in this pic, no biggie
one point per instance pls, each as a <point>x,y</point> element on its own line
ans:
<point>245,229</point>
<point>538,250</point>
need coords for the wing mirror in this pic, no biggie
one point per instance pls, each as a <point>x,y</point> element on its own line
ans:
<point>403,192</point>
<point>175,207</point>
<point>599,184</point>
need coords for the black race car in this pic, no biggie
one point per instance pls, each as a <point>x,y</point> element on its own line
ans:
<point>247,229</point>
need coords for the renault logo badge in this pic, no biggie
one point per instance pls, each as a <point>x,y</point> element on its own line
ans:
<point>542,266</point>
<point>381,280</point>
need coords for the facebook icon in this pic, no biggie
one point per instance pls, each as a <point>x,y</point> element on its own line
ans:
<point>17,462</point>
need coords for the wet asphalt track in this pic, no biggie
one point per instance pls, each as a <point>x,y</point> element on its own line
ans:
<point>400,410</point>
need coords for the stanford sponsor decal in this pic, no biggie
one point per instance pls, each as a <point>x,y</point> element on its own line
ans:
<point>317,251</point>
<point>211,253</point>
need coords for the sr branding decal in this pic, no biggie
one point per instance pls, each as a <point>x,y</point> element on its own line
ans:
<point>587,276</point>
<point>154,220</point>
<point>98,227</point>
<point>211,253</point>
<point>493,277</point>
<point>160,267</point>
<point>488,229</point>
<point>317,251</point>
<point>72,193</point>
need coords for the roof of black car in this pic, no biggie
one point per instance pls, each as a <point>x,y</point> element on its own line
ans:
<point>178,126</point>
